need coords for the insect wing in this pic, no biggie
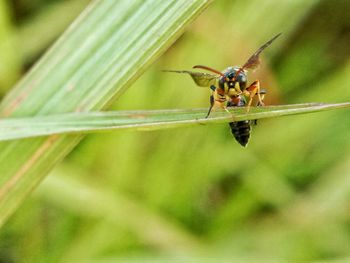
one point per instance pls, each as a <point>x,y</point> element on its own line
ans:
<point>254,61</point>
<point>204,79</point>
<point>201,79</point>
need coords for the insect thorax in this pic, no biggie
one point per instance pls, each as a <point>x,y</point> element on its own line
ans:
<point>230,78</point>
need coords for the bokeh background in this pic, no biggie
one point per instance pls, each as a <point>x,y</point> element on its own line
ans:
<point>193,194</point>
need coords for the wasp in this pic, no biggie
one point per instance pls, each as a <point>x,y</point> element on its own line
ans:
<point>229,88</point>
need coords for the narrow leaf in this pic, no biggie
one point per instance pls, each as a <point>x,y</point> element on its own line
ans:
<point>92,64</point>
<point>87,122</point>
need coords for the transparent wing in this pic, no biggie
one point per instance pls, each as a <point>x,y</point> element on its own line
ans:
<point>254,61</point>
<point>201,79</point>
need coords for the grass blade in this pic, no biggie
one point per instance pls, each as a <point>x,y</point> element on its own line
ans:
<point>9,57</point>
<point>88,122</point>
<point>100,55</point>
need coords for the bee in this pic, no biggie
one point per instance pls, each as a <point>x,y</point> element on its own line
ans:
<point>229,88</point>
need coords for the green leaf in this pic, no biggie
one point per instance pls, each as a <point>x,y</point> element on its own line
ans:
<point>49,29</point>
<point>92,64</point>
<point>9,55</point>
<point>87,122</point>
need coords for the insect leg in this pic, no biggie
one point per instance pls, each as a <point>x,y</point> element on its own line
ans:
<point>262,96</point>
<point>211,105</point>
<point>252,90</point>
<point>217,100</point>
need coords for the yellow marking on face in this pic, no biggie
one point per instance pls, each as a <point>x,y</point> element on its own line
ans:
<point>226,88</point>
<point>232,92</point>
<point>237,88</point>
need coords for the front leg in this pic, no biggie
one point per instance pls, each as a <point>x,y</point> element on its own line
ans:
<point>262,96</point>
<point>211,105</point>
<point>217,100</point>
<point>251,91</point>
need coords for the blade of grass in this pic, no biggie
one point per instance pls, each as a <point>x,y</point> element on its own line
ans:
<point>87,122</point>
<point>100,55</point>
<point>9,57</point>
<point>48,29</point>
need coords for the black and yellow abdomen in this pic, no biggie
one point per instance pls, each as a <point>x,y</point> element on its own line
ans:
<point>241,131</point>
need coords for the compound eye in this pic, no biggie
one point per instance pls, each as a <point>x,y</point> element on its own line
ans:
<point>231,75</point>
<point>242,78</point>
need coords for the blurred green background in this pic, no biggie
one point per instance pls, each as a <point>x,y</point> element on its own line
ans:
<point>193,194</point>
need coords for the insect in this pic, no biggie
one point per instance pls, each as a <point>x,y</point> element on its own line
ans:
<point>229,88</point>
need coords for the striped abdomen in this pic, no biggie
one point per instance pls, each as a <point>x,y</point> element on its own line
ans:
<point>241,131</point>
